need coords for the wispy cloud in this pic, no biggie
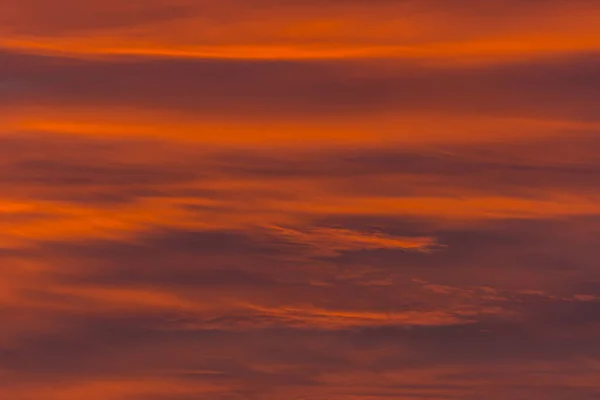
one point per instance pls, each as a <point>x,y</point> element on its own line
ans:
<point>276,200</point>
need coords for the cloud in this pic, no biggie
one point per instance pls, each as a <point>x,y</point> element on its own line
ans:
<point>330,241</point>
<point>59,188</point>
<point>299,200</point>
<point>67,18</point>
<point>462,31</point>
<point>554,90</point>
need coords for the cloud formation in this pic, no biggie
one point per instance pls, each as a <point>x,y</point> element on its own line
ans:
<point>292,200</point>
<point>304,29</point>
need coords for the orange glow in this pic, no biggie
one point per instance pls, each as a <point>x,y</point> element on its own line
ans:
<point>277,30</point>
<point>286,200</point>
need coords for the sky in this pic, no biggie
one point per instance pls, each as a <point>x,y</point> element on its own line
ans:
<point>300,200</point>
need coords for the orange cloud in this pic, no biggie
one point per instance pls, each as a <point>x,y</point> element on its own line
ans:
<point>276,200</point>
<point>328,241</point>
<point>267,29</point>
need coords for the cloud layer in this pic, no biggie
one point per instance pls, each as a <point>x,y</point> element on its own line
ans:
<point>299,200</point>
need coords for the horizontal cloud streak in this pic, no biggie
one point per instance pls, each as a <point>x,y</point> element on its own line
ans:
<point>272,29</point>
<point>546,89</point>
<point>305,199</point>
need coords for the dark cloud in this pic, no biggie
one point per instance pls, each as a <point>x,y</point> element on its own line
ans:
<point>548,88</point>
<point>105,171</point>
<point>180,259</point>
<point>479,357</point>
<point>66,17</point>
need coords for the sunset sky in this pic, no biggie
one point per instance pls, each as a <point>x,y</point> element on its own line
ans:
<point>300,199</point>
